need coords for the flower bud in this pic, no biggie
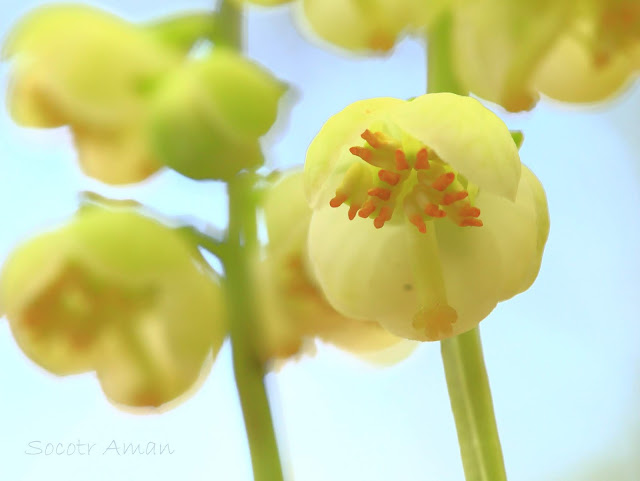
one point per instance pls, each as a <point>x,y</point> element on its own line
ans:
<point>208,116</point>
<point>118,293</point>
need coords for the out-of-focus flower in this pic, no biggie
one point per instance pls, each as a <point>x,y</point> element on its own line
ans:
<point>293,309</point>
<point>576,51</point>
<point>364,25</point>
<point>118,293</point>
<point>82,67</point>
<point>208,116</point>
<point>458,223</point>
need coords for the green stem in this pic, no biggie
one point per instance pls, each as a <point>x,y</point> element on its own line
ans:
<point>242,243</point>
<point>248,369</point>
<point>467,380</point>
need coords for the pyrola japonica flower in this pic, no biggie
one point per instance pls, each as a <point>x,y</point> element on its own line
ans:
<point>120,294</point>
<point>424,218</point>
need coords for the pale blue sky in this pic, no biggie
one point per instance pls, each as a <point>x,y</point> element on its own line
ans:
<point>563,357</point>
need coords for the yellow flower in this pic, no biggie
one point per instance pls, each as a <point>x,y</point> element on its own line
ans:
<point>577,51</point>
<point>363,25</point>
<point>81,67</point>
<point>294,311</point>
<point>120,294</point>
<point>208,116</point>
<point>424,217</point>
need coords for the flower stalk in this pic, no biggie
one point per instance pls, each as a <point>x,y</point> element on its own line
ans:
<point>465,371</point>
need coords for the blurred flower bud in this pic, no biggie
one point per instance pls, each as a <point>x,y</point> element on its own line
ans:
<point>81,67</point>
<point>208,116</point>
<point>118,293</point>
<point>424,218</point>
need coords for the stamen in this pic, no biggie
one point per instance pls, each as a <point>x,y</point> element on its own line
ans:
<point>388,177</point>
<point>338,200</point>
<point>422,160</point>
<point>367,209</point>
<point>434,211</point>
<point>353,210</point>
<point>401,160</point>
<point>468,211</point>
<point>419,223</point>
<point>449,199</point>
<point>363,153</point>
<point>384,215</point>
<point>371,139</point>
<point>380,193</point>
<point>444,181</point>
<point>470,222</point>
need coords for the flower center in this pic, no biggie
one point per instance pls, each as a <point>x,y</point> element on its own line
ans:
<point>619,29</point>
<point>409,174</point>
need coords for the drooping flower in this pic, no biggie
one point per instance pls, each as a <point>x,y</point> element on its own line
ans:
<point>207,117</point>
<point>293,309</point>
<point>424,218</point>
<point>509,52</point>
<point>82,67</point>
<point>120,294</point>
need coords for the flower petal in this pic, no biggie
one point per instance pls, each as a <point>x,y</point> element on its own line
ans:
<point>332,143</point>
<point>468,136</point>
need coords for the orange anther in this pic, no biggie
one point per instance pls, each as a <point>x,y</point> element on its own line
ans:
<point>443,181</point>
<point>364,154</point>
<point>388,177</point>
<point>353,210</point>
<point>419,223</point>
<point>371,138</point>
<point>470,222</point>
<point>468,211</point>
<point>338,200</point>
<point>434,211</point>
<point>422,160</point>
<point>367,209</point>
<point>449,199</point>
<point>401,160</point>
<point>380,193</point>
<point>383,216</point>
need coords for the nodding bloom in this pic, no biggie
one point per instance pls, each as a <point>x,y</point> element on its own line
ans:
<point>363,26</point>
<point>293,310</point>
<point>579,51</point>
<point>82,67</point>
<point>423,216</point>
<point>120,294</point>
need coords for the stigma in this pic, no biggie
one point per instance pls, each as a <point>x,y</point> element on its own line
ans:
<point>410,177</point>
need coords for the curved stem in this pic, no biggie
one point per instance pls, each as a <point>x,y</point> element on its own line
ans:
<point>467,380</point>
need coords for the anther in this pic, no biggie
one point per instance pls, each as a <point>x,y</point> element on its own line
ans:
<point>444,181</point>
<point>353,210</point>
<point>449,199</point>
<point>364,154</point>
<point>371,139</point>
<point>380,193</point>
<point>367,209</point>
<point>422,160</point>
<point>401,160</point>
<point>433,210</point>
<point>470,222</point>
<point>383,216</point>
<point>468,211</point>
<point>419,223</point>
<point>388,177</point>
<point>338,200</point>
